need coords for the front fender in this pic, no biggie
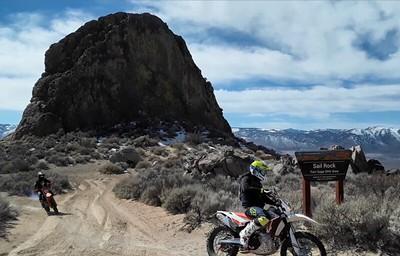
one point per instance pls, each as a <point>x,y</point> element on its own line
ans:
<point>300,217</point>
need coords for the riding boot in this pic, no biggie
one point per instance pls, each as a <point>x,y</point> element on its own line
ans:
<point>246,233</point>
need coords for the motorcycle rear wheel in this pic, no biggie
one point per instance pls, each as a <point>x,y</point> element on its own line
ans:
<point>214,249</point>
<point>302,237</point>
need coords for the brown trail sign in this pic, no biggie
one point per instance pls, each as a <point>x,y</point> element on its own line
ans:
<point>326,165</point>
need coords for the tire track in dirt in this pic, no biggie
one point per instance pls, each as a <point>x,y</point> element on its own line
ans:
<point>97,223</point>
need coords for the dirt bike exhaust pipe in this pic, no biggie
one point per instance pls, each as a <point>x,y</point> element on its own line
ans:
<point>235,242</point>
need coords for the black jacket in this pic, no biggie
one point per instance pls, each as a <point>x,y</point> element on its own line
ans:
<point>42,183</point>
<point>250,192</point>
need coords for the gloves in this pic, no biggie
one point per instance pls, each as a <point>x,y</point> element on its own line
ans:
<point>266,191</point>
<point>271,196</point>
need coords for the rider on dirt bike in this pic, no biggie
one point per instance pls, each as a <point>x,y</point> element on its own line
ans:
<point>41,183</point>
<point>254,198</point>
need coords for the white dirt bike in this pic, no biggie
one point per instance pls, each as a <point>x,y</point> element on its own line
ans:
<point>280,233</point>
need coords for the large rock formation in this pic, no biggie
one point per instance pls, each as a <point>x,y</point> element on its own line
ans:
<point>118,69</point>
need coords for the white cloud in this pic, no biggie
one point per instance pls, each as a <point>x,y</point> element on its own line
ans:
<point>319,34</point>
<point>23,44</point>
<point>221,63</point>
<point>316,102</point>
<point>15,92</point>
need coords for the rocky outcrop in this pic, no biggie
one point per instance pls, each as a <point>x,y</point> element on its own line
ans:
<point>227,163</point>
<point>118,69</point>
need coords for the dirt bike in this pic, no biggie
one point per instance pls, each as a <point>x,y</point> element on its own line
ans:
<point>47,200</point>
<point>280,233</point>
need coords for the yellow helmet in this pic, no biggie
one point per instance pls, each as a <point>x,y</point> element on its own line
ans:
<point>259,168</point>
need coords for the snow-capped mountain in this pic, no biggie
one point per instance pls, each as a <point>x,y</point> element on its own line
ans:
<point>6,129</point>
<point>372,139</point>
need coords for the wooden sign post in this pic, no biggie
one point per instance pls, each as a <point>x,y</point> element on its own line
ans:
<point>325,165</point>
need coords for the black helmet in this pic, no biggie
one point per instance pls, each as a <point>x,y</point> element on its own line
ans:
<point>40,175</point>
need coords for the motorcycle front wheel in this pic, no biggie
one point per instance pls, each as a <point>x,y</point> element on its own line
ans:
<point>309,245</point>
<point>217,234</point>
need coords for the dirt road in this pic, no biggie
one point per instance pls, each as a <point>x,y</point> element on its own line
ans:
<point>94,222</point>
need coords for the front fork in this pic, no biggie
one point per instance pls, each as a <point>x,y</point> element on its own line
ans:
<point>295,243</point>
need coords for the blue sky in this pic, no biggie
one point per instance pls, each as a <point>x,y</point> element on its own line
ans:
<point>328,64</point>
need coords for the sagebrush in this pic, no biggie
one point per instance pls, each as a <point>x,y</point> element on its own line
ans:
<point>7,216</point>
<point>22,184</point>
<point>180,193</point>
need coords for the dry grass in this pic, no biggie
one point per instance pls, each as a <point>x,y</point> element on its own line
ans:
<point>7,216</point>
<point>197,197</point>
<point>22,183</point>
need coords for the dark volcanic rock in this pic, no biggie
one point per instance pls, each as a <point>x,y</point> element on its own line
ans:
<point>118,69</point>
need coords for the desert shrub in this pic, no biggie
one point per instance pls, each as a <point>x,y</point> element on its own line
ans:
<point>111,140</point>
<point>18,184</point>
<point>85,151</point>
<point>18,148</point>
<point>141,151</point>
<point>180,193</point>
<point>41,165</point>
<point>110,168</point>
<point>7,215</point>
<point>145,141</point>
<point>171,163</point>
<point>39,153</point>
<point>378,184</point>
<point>59,159</point>
<point>223,183</point>
<point>361,223</point>
<point>48,142</point>
<point>72,147</point>
<point>206,203</point>
<point>179,146</point>
<point>82,159</point>
<point>77,148</point>
<point>194,138</point>
<point>60,182</point>
<point>127,155</point>
<point>290,182</point>
<point>95,155</point>
<point>22,184</point>
<point>88,142</point>
<point>130,188</point>
<point>179,199</point>
<point>143,165</point>
<point>159,151</point>
<point>60,147</point>
<point>110,145</point>
<point>394,221</point>
<point>164,180</point>
<point>21,165</point>
<point>16,165</point>
<point>151,196</point>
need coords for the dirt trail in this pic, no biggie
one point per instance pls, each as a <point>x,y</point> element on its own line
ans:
<point>94,222</point>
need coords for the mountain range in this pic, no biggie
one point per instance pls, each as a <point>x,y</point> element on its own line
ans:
<point>6,129</point>
<point>377,142</point>
<point>372,139</point>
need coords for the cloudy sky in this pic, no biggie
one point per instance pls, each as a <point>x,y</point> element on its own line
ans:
<point>328,64</point>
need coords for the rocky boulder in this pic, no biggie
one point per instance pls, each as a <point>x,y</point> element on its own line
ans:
<point>228,163</point>
<point>120,68</point>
